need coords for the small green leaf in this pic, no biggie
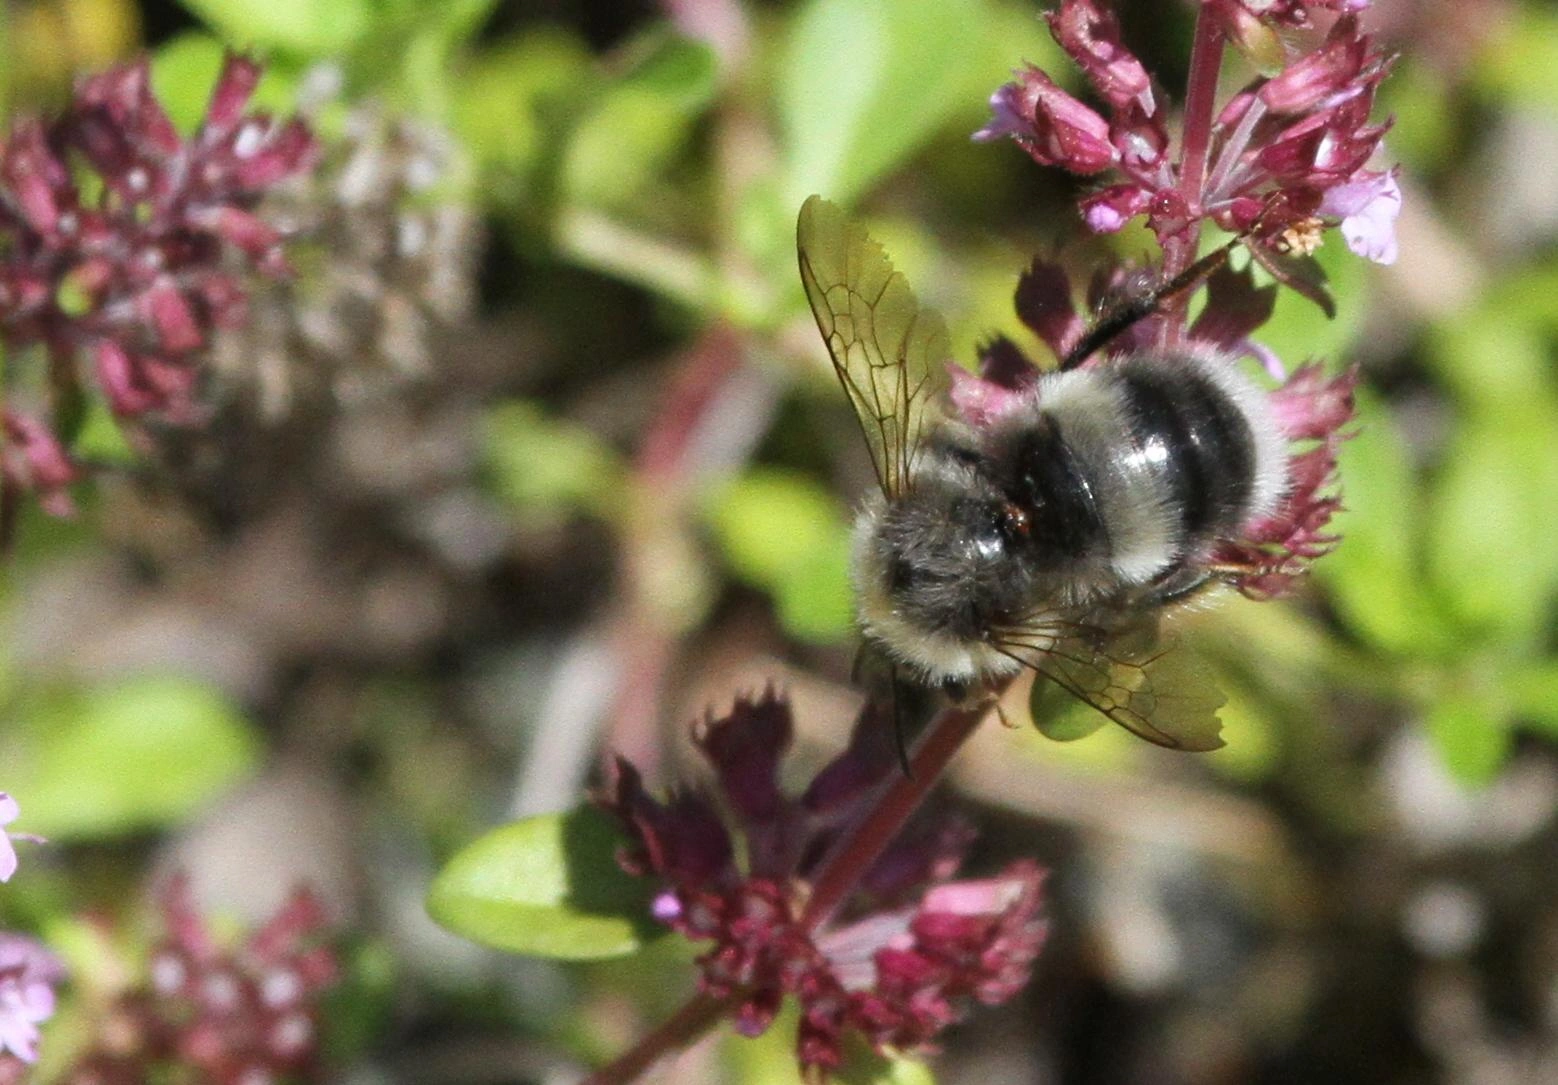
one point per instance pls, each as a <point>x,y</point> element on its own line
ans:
<point>542,465</point>
<point>1472,741</point>
<point>139,755</point>
<point>1374,576</point>
<point>814,599</point>
<point>1059,716</point>
<point>501,99</point>
<point>639,122</point>
<point>99,438</point>
<point>1533,691</point>
<point>1489,555</point>
<point>782,532</point>
<point>863,84</point>
<point>862,1066</point>
<point>313,28</point>
<point>547,886</point>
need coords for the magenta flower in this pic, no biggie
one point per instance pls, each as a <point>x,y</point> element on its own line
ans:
<point>897,966</point>
<point>122,244</point>
<point>1274,155</point>
<point>28,976</point>
<point>228,1015</point>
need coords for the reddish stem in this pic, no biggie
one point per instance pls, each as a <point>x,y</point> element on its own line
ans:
<point>695,1018</point>
<point>1206,61</point>
<point>863,844</point>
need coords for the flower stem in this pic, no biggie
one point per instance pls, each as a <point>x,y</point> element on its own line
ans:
<point>860,847</point>
<point>1206,61</point>
<point>695,1018</point>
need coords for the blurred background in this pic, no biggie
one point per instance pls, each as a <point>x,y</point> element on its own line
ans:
<point>539,454</point>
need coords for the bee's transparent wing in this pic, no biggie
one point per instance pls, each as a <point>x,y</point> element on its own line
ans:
<point>888,352</point>
<point>1156,689</point>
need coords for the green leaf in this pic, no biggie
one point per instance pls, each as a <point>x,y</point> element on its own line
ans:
<point>1374,577</point>
<point>863,84</point>
<point>639,121</point>
<point>1059,716</point>
<point>783,532</point>
<point>542,465</point>
<point>1533,690</point>
<point>312,28</point>
<point>1490,551</point>
<point>1472,741</point>
<point>99,438</point>
<point>138,755</point>
<point>501,97</point>
<point>547,886</point>
<point>862,1066</point>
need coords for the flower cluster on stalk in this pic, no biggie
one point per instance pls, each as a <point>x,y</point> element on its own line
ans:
<point>896,966</point>
<point>124,245</point>
<point>1287,156</point>
<point>1284,153</point>
<point>28,975</point>
<point>212,1014</point>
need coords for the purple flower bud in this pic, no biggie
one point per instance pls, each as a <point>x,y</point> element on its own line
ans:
<point>35,461</point>
<point>1091,35</point>
<point>32,177</point>
<point>234,87</point>
<point>1328,71</point>
<point>1108,210</point>
<point>1051,125</point>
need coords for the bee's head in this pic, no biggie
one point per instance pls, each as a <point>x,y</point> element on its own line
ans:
<point>947,558</point>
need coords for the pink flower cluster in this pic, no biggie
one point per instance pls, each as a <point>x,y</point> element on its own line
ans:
<point>897,968</point>
<point>213,1015</point>
<point>118,244</point>
<point>28,975</point>
<point>1285,151</point>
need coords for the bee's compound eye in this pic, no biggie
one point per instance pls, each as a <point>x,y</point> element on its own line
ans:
<point>902,575</point>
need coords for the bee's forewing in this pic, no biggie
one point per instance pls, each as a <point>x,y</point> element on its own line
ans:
<point>888,352</point>
<point>1157,690</point>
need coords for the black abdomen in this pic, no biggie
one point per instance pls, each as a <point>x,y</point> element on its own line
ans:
<point>1207,458</point>
<point>1129,467</point>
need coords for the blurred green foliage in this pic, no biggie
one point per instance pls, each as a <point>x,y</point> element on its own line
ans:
<point>140,754</point>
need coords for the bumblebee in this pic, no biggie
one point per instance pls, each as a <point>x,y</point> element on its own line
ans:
<point>1054,536</point>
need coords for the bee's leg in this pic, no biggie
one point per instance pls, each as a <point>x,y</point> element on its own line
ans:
<point>1177,585</point>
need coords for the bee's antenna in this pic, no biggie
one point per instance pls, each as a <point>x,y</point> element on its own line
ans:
<point>1126,313</point>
